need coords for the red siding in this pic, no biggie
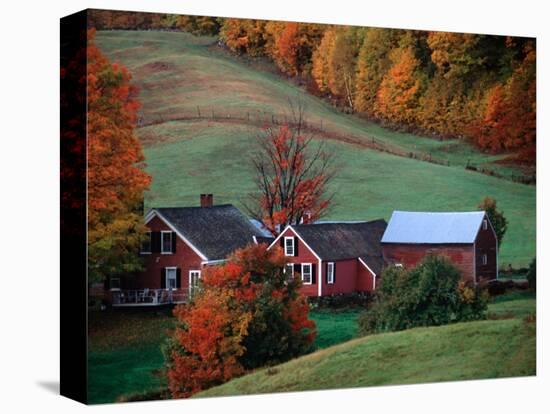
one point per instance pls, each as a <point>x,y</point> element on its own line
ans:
<point>304,256</point>
<point>345,277</point>
<point>462,255</point>
<point>486,243</point>
<point>184,258</point>
<point>365,279</point>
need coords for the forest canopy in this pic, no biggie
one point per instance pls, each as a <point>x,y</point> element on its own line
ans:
<point>481,88</point>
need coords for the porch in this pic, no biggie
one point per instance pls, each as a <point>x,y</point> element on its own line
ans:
<point>148,297</point>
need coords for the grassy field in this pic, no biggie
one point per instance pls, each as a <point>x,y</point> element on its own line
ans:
<point>180,75</point>
<point>125,349</point>
<point>474,350</point>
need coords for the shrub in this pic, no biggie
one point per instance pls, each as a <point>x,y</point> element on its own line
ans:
<point>532,275</point>
<point>428,295</point>
<point>341,301</point>
<point>245,315</point>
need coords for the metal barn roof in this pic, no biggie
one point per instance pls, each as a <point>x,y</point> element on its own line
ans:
<point>433,228</point>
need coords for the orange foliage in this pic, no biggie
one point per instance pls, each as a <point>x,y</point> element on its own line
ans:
<point>397,98</point>
<point>116,177</point>
<point>292,179</point>
<point>223,332</point>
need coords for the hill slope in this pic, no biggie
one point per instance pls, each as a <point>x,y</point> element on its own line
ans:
<point>201,108</point>
<point>474,350</point>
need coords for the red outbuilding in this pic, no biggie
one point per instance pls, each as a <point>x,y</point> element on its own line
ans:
<point>334,258</point>
<point>466,238</point>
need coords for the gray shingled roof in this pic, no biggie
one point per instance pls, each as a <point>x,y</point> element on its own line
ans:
<point>337,241</point>
<point>433,228</point>
<point>215,231</point>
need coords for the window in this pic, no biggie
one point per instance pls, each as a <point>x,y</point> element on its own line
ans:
<point>194,277</point>
<point>484,259</point>
<point>114,284</point>
<point>485,224</point>
<point>289,271</point>
<point>330,273</point>
<point>289,246</point>
<point>146,243</point>
<point>171,278</point>
<point>166,243</point>
<point>306,273</point>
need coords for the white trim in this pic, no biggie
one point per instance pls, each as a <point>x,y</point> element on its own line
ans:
<point>484,259</point>
<point>297,235</point>
<point>162,233</point>
<point>320,279</point>
<point>254,239</point>
<point>370,270</point>
<point>310,273</point>
<point>152,213</point>
<point>330,274</point>
<point>293,246</point>
<point>166,277</point>
<point>190,284</point>
<point>213,262</point>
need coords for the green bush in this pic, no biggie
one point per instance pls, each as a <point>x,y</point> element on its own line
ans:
<point>430,294</point>
<point>532,275</point>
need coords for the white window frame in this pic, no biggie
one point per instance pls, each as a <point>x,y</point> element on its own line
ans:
<point>162,233</point>
<point>310,274</point>
<point>167,280</point>
<point>286,271</point>
<point>485,224</point>
<point>150,233</point>
<point>330,273</point>
<point>484,259</point>
<point>293,247</point>
<point>191,287</point>
<point>111,288</point>
<point>398,265</point>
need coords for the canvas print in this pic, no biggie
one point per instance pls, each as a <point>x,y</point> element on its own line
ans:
<point>276,206</point>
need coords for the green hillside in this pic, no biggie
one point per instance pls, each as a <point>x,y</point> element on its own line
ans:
<point>201,107</point>
<point>474,350</point>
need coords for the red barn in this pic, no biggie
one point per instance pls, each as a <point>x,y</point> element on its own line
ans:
<point>466,238</point>
<point>333,258</point>
<point>181,242</point>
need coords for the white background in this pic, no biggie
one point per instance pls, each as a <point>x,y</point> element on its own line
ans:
<point>29,237</point>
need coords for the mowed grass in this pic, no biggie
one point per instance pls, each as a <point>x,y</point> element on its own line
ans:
<point>180,75</point>
<point>474,350</point>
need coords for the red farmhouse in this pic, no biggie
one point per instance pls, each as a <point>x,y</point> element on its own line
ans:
<point>334,258</point>
<point>467,239</point>
<point>180,243</point>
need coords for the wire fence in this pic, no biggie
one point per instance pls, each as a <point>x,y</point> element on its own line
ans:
<point>261,119</point>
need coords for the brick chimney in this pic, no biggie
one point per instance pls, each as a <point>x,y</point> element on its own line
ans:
<point>306,218</point>
<point>207,200</point>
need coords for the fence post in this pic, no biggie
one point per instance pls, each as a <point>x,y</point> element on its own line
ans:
<point>199,111</point>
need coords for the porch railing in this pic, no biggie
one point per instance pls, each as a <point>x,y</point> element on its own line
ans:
<point>148,297</point>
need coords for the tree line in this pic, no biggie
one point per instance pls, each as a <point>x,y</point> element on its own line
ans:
<point>451,85</point>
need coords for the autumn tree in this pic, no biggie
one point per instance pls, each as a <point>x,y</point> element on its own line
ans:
<point>199,25</point>
<point>116,176</point>
<point>244,36</point>
<point>373,62</point>
<point>496,217</point>
<point>292,175</point>
<point>397,99</point>
<point>247,313</point>
<point>291,45</point>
